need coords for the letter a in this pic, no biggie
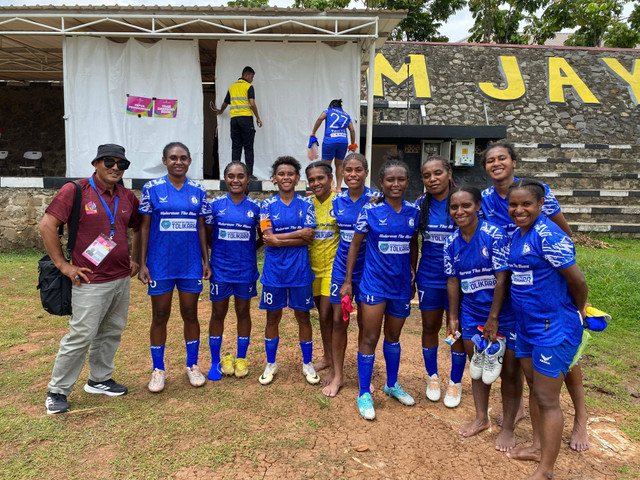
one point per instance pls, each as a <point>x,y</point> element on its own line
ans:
<point>560,75</point>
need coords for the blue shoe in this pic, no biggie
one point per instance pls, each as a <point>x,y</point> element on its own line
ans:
<point>214,373</point>
<point>399,394</point>
<point>365,405</point>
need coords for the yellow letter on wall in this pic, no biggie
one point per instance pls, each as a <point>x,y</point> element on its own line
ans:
<point>514,84</point>
<point>560,75</point>
<point>416,69</point>
<point>632,79</point>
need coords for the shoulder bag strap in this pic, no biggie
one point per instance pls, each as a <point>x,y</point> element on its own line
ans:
<point>75,218</point>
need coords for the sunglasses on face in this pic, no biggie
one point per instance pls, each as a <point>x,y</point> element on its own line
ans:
<point>109,162</point>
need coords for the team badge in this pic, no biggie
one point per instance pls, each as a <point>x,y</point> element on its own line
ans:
<point>91,208</point>
<point>194,199</point>
<point>411,222</point>
<point>250,214</point>
<point>485,252</point>
<point>526,249</point>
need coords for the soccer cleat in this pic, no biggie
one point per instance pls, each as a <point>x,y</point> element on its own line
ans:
<point>433,388</point>
<point>56,403</point>
<point>269,371</point>
<point>493,357</point>
<point>108,387</point>
<point>583,344</point>
<point>241,367</point>
<point>158,378</point>
<point>399,394</point>
<point>365,405</point>
<point>310,373</point>
<point>596,320</point>
<point>477,363</point>
<point>452,397</point>
<point>227,365</point>
<point>196,378</point>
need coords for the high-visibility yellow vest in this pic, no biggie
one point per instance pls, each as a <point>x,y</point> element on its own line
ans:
<point>238,92</point>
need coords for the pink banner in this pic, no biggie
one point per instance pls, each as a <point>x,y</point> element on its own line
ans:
<point>140,106</point>
<point>164,108</point>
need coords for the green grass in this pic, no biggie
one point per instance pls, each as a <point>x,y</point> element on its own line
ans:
<point>228,424</point>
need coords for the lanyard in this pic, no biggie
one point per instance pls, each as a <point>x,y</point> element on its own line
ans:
<point>112,217</point>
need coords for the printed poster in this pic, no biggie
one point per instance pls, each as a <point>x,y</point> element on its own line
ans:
<point>165,108</point>
<point>140,106</point>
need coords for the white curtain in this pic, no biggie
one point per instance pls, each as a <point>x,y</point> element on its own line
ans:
<point>99,74</point>
<point>294,83</point>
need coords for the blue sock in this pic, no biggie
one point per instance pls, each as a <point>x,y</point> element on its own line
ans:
<point>192,352</point>
<point>307,351</point>
<point>243,345</point>
<point>458,360</point>
<point>271,346</point>
<point>391,352</point>
<point>365,371</point>
<point>430,356</point>
<point>157,356</point>
<point>214,345</point>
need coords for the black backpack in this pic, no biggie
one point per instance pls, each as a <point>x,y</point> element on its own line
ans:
<point>54,286</point>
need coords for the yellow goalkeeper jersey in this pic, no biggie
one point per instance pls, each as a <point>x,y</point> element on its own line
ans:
<point>327,235</point>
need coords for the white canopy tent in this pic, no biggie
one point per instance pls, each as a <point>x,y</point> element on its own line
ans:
<point>32,39</point>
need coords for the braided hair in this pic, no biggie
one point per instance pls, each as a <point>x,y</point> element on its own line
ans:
<point>475,193</point>
<point>534,186</point>
<point>320,164</point>
<point>391,159</point>
<point>426,201</point>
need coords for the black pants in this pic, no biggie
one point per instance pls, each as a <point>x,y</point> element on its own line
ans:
<point>242,135</point>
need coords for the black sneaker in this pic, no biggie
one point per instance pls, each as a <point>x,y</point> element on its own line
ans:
<point>108,387</point>
<point>56,403</point>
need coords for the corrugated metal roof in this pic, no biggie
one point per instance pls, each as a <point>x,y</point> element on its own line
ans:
<point>31,37</point>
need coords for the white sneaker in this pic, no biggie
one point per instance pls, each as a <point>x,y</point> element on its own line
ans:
<point>433,388</point>
<point>452,397</point>
<point>493,363</point>
<point>196,378</point>
<point>310,373</point>
<point>267,377</point>
<point>476,364</point>
<point>158,378</point>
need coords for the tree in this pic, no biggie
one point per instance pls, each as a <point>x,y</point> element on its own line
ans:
<point>497,21</point>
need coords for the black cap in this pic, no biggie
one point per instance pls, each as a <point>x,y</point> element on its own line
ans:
<point>109,150</point>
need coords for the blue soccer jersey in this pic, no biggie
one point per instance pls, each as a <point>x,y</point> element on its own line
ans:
<point>547,315</point>
<point>174,242</point>
<point>233,240</point>
<point>495,209</point>
<point>346,214</point>
<point>387,266</point>
<point>287,266</point>
<point>440,227</point>
<point>475,264</point>
<point>336,125</point>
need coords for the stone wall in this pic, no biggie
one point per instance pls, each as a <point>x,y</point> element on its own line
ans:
<point>31,119</point>
<point>547,112</point>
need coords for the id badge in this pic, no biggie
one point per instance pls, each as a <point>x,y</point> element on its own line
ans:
<point>99,249</point>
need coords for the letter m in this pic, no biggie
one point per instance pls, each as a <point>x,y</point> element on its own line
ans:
<point>416,69</point>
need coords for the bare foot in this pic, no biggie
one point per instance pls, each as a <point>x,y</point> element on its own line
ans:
<point>540,476</point>
<point>333,388</point>
<point>579,438</point>
<point>519,416</point>
<point>474,427</point>
<point>506,440</point>
<point>321,364</point>
<point>328,378</point>
<point>525,453</point>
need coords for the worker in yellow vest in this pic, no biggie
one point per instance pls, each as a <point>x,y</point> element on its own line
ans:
<point>241,96</point>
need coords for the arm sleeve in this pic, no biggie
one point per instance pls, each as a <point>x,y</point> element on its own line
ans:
<point>62,204</point>
<point>362,223</point>
<point>145,201</point>
<point>209,219</point>
<point>500,251</point>
<point>558,250</point>
<point>551,206</point>
<point>227,98</point>
<point>205,207</point>
<point>265,217</point>
<point>449,269</point>
<point>310,215</point>
<point>251,93</point>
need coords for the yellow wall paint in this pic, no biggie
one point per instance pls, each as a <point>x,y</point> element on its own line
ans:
<point>632,79</point>
<point>417,70</point>
<point>560,75</point>
<point>512,78</point>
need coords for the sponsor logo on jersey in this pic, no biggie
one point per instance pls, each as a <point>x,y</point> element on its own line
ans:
<point>341,212</point>
<point>545,360</point>
<point>222,212</point>
<point>522,278</point>
<point>483,282</point>
<point>194,199</point>
<point>383,222</point>
<point>513,336</point>
<point>526,249</point>
<point>179,225</point>
<point>163,199</point>
<point>437,237</point>
<point>346,235</point>
<point>234,235</point>
<point>393,247</point>
<point>323,234</point>
<point>276,216</point>
<point>91,208</point>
